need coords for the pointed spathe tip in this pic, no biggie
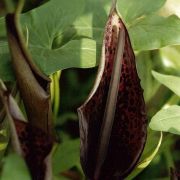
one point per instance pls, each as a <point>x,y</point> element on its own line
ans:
<point>113,6</point>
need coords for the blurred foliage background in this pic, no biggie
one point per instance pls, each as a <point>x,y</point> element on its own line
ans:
<point>72,86</point>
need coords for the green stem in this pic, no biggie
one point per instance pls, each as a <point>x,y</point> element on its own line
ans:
<point>57,92</point>
<point>52,88</point>
<point>169,159</point>
<point>173,100</point>
<point>19,7</point>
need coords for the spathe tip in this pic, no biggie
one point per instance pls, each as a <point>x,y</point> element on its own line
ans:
<point>113,6</point>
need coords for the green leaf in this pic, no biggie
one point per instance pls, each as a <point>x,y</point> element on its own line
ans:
<point>145,64</point>
<point>49,20</point>
<point>146,32</point>
<point>90,25</point>
<point>49,32</point>
<point>76,53</point>
<point>92,22</point>
<point>6,71</point>
<point>43,28</point>
<point>170,57</point>
<point>2,29</point>
<point>66,156</point>
<point>14,167</point>
<point>133,9</point>
<point>167,120</point>
<point>153,32</point>
<point>172,82</point>
<point>59,177</point>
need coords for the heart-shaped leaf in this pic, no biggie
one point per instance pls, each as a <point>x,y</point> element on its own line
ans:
<point>172,82</point>
<point>153,32</point>
<point>167,120</point>
<point>44,31</point>
<point>134,9</point>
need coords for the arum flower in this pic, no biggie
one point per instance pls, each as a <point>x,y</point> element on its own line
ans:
<point>32,137</point>
<point>113,120</point>
<point>30,142</point>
